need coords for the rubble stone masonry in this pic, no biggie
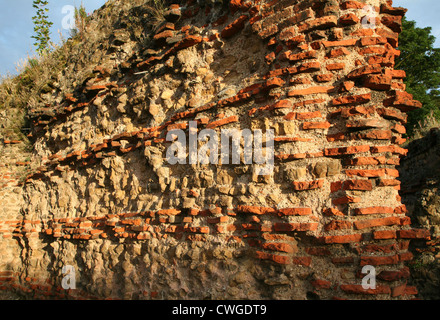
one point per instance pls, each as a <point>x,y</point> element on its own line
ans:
<point>319,73</point>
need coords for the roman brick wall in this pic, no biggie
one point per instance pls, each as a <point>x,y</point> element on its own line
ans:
<point>419,175</point>
<point>107,202</point>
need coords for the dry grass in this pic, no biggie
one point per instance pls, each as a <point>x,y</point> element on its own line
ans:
<point>42,80</point>
<point>36,77</point>
<point>27,90</point>
<point>157,10</point>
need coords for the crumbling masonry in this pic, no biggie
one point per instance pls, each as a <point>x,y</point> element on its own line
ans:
<point>317,72</point>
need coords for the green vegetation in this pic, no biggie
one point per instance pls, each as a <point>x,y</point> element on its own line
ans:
<point>81,22</point>
<point>41,26</point>
<point>419,58</point>
<point>421,61</point>
<point>36,75</point>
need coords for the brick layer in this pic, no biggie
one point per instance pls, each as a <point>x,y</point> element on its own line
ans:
<point>338,109</point>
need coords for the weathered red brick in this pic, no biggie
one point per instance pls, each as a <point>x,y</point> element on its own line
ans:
<point>392,37</point>
<point>222,122</point>
<point>335,66</point>
<point>287,33</point>
<point>379,248</point>
<point>351,4</point>
<point>215,219</point>
<point>234,27</point>
<point>362,185</point>
<point>285,227</point>
<point>396,74</point>
<point>375,134</point>
<point>319,23</point>
<point>335,186</point>
<point>389,9</point>
<point>321,284</point>
<point>282,247</point>
<point>388,182</point>
<point>311,90</point>
<point>365,161</point>
<point>335,53</point>
<point>399,128</point>
<point>324,77</point>
<point>349,19</point>
<point>278,105</point>
<point>338,225</point>
<point>367,123</point>
<point>365,70</point>
<point>299,56</point>
<point>365,172</point>
<point>274,83</point>
<point>255,209</point>
<point>316,125</point>
<point>411,290</point>
<point>340,43</point>
<point>414,234</point>
<point>346,200</point>
<point>358,289</point>
<point>388,275</point>
<point>377,82</point>
<point>331,212</point>
<point>303,115</point>
<point>349,100</point>
<point>163,35</point>
<point>318,251</point>
<point>391,148</point>
<point>346,150</point>
<point>303,261</point>
<point>342,260</point>
<point>379,260</point>
<point>188,41</point>
<point>388,221</point>
<point>307,185</point>
<point>269,31</point>
<point>348,112</point>
<point>374,210</point>
<point>403,101</point>
<point>392,114</point>
<point>295,211</point>
<point>348,238</point>
<point>280,259</point>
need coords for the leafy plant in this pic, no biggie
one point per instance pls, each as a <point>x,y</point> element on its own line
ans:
<point>41,26</point>
<point>421,61</point>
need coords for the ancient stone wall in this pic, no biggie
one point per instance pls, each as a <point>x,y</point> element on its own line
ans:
<point>419,175</point>
<point>319,73</point>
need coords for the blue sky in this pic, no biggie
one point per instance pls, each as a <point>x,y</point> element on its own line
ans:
<point>16,27</point>
<point>424,12</point>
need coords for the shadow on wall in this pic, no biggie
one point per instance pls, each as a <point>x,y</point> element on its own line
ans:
<point>420,177</point>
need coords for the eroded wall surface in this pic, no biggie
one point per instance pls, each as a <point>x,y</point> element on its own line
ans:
<point>419,175</point>
<point>319,73</point>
